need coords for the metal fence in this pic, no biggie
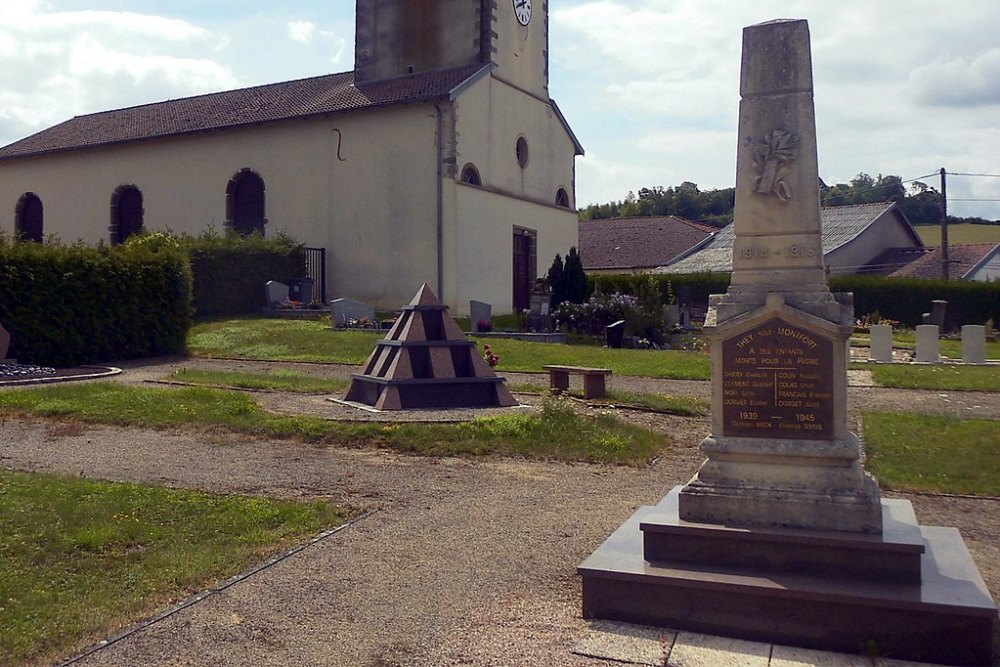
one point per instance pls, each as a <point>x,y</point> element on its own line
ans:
<point>316,269</point>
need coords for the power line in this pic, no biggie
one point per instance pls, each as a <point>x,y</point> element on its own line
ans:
<point>959,173</point>
<point>957,199</point>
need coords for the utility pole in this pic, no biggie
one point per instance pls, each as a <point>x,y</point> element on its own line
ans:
<point>944,226</point>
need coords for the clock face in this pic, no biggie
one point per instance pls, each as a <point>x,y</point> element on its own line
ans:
<point>522,10</point>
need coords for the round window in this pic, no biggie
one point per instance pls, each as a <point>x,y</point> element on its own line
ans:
<point>522,152</point>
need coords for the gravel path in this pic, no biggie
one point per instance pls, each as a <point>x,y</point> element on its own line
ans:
<point>462,561</point>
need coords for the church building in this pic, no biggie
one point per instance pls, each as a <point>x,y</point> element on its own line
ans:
<point>441,159</point>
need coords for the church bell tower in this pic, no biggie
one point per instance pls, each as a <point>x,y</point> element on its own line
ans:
<point>395,38</point>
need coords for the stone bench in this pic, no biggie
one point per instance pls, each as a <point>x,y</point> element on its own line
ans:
<point>593,379</point>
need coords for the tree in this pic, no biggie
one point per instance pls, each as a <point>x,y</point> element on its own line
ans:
<point>557,281</point>
<point>574,277</point>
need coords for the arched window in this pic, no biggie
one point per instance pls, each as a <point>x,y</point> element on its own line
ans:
<point>521,152</point>
<point>470,175</point>
<point>28,218</point>
<point>562,198</point>
<point>245,203</point>
<point>126,213</point>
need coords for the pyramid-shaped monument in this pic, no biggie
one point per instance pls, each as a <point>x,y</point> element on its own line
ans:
<point>426,361</point>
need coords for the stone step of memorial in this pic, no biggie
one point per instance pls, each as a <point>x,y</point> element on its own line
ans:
<point>893,555</point>
<point>946,616</point>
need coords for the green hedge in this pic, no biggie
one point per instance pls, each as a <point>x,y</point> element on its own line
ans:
<point>906,299</point>
<point>230,270</point>
<point>900,299</point>
<point>72,305</point>
<point>698,285</point>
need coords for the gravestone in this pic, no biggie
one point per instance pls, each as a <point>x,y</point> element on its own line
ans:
<point>300,289</point>
<point>343,310</point>
<point>927,344</point>
<point>782,536</point>
<point>939,309</point>
<point>277,293</point>
<point>974,344</point>
<point>4,343</point>
<point>479,311</point>
<point>881,343</point>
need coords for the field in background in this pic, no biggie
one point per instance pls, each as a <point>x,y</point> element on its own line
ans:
<point>965,234</point>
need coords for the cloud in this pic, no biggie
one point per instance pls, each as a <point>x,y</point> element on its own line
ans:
<point>301,31</point>
<point>958,81</point>
<point>54,65</point>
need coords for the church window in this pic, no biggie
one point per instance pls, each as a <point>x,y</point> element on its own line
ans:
<point>562,198</point>
<point>126,213</point>
<point>470,175</point>
<point>521,150</point>
<point>245,203</point>
<point>28,218</point>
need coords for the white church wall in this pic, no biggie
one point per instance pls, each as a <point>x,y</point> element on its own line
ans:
<point>490,116</point>
<point>484,227</point>
<point>374,207</point>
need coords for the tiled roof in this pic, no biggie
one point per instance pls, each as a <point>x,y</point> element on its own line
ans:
<point>892,259</point>
<point>840,225</point>
<point>315,96</point>
<point>962,259</point>
<point>637,243</point>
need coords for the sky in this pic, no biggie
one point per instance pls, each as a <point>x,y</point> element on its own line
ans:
<point>650,87</point>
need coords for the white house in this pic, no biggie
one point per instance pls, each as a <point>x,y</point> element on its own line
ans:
<point>864,238</point>
<point>441,158</point>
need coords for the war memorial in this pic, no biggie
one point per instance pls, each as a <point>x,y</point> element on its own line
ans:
<point>782,536</point>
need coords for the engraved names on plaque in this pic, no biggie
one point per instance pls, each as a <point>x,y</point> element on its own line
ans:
<point>777,382</point>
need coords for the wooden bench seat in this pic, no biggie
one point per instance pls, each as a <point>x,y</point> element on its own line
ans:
<point>593,379</point>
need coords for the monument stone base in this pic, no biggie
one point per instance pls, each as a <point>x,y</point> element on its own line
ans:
<point>911,592</point>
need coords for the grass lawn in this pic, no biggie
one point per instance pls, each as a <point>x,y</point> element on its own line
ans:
<point>557,433</point>
<point>933,453</point>
<point>280,380</point>
<point>942,376</point>
<point>303,340</point>
<point>80,559</point>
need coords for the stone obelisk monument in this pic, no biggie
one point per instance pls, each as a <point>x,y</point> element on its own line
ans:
<point>780,452</point>
<point>782,536</point>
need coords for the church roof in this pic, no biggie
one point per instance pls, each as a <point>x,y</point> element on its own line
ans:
<point>302,98</point>
<point>637,243</point>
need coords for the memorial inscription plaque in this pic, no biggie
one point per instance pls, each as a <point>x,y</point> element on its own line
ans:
<point>777,382</point>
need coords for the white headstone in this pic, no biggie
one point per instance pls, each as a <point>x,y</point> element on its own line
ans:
<point>973,344</point>
<point>479,311</point>
<point>277,293</point>
<point>927,344</point>
<point>881,343</point>
<point>342,310</point>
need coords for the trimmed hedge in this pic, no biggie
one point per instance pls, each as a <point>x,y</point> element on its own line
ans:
<point>72,305</point>
<point>696,287</point>
<point>901,299</point>
<point>906,299</point>
<point>230,271</point>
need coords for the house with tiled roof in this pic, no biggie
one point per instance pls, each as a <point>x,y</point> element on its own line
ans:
<point>864,238</point>
<point>440,158</point>
<point>965,262</point>
<point>635,245</point>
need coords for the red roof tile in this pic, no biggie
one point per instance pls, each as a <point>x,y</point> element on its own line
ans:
<point>637,243</point>
<point>315,96</point>
<point>961,258</point>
